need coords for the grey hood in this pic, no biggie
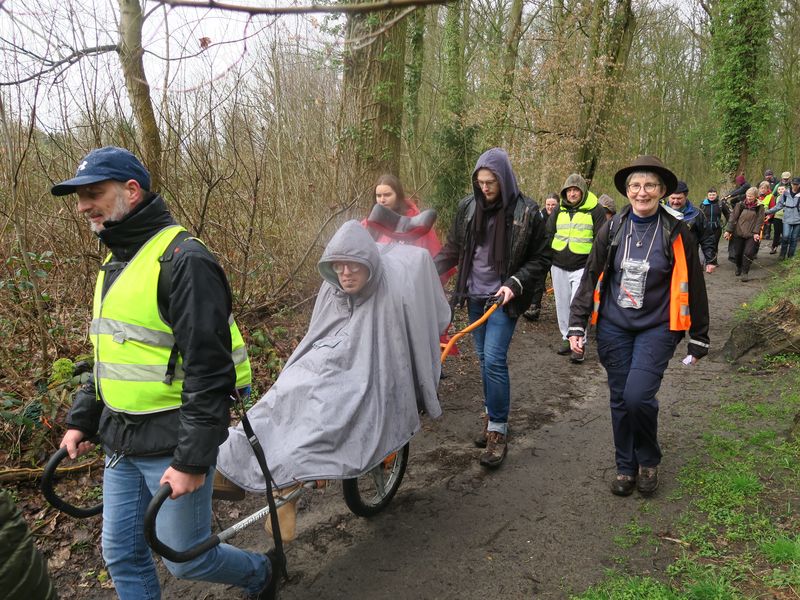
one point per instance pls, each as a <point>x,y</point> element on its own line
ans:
<point>352,243</point>
<point>351,392</point>
<point>574,180</point>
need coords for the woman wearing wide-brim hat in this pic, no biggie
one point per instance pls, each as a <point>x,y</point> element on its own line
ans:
<point>643,289</point>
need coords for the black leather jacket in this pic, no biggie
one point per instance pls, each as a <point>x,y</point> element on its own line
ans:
<point>528,251</point>
<point>199,307</point>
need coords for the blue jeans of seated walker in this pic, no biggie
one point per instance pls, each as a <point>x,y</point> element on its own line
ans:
<point>491,344</point>
<point>128,488</point>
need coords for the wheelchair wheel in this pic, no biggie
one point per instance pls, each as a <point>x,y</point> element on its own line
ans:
<point>369,494</point>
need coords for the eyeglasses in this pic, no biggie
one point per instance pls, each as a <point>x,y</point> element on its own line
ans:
<point>649,187</point>
<point>339,267</point>
<point>486,184</point>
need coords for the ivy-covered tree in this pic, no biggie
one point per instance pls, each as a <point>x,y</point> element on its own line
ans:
<point>454,137</point>
<point>740,68</point>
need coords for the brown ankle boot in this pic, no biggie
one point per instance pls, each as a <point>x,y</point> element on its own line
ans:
<point>496,448</point>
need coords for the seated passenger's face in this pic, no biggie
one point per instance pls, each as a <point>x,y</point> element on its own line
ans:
<point>353,276</point>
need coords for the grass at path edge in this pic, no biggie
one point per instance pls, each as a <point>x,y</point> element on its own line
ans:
<point>740,536</point>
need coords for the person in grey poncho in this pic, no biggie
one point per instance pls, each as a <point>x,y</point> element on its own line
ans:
<point>351,392</point>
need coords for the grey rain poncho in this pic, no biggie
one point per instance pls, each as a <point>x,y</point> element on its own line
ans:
<point>351,392</point>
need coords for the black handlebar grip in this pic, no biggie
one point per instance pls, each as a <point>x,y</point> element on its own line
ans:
<point>50,495</point>
<point>164,492</point>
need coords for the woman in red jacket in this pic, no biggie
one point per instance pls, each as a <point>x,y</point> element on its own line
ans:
<point>389,193</point>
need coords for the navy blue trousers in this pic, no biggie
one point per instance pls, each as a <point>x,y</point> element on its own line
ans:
<point>635,362</point>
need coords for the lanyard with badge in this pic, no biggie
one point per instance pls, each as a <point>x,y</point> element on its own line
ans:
<point>634,271</point>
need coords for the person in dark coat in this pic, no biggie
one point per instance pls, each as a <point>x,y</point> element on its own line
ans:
<point>696,220</point>
<point>744,231</point>
<point>498,242</point>
<point>643,288</point>
<point>532,314</point>
<point>714,211</point>
<point>160,420</point>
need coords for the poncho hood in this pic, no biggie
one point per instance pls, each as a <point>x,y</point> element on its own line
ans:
<point>352,243</point>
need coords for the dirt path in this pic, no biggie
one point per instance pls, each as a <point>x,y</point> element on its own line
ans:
<point>541,526</point>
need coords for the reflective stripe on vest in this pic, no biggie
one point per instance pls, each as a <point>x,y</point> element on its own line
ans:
<point>575,230</point>
<point>679,314</point>
<point>132,344</point>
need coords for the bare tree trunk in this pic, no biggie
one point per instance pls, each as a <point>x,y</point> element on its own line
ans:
<point>372,102</point>
<point>130,54</point>
<point>496,135</point>
<point>606,68</point>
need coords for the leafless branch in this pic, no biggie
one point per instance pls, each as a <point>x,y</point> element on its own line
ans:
<point>302,9</point>
<point>67,61</point>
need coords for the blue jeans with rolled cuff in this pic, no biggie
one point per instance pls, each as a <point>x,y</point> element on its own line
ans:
<point>128,488</point>
<point>635,362</point>
<point>492,340</point>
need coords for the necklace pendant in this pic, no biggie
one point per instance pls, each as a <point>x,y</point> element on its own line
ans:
<point>639,244</point>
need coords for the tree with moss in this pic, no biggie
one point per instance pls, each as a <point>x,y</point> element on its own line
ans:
<point>740,70</point>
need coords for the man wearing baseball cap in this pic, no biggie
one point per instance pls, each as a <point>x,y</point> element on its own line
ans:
<point>789,203</point>
<point>167,359</point>
<point>786,177</point>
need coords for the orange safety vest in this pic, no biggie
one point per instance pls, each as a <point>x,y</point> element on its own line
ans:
<point>679,317</point>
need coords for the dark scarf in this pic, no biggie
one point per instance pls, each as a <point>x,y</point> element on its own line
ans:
<point>497,249</point>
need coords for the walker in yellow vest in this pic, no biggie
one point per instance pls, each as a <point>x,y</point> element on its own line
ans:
<point>575,230</point>
<point>133,344</point>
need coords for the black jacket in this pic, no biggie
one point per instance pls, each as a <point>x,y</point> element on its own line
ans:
<point>601,260</point>
<point>528,251</point>
<point>199,308</point>
<point>702,232</point>
<point>714,212</point>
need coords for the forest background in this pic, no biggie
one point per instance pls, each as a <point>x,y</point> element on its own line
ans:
<point>264,131</point>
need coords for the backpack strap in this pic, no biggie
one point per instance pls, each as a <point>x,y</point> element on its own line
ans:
<point>162,295</point>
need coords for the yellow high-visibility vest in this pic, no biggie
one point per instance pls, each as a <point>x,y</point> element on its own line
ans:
<point>132,343</point>
<point>575,230</point>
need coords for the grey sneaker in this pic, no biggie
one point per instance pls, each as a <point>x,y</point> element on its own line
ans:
<point>496,448</point>
<point>564,348</point>
<point>480,439</point>
<point>647,483</point>
<point>577,358</point>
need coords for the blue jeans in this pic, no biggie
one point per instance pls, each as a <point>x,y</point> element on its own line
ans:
<point>635,362</point>
<point>491,343</point>
<point>127,490</point>
<point>789,239</point>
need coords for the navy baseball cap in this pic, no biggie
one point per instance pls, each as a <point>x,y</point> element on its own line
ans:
<point>103,164</point>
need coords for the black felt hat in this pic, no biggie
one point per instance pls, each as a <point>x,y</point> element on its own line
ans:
<point>649,163</point>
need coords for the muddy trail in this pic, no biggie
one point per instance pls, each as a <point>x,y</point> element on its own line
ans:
<point>543,525</point>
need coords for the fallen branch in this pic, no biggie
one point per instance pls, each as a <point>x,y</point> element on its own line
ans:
<point>17,475</point>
